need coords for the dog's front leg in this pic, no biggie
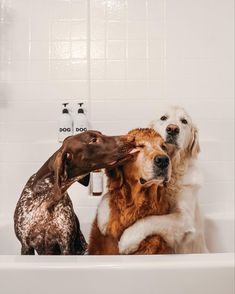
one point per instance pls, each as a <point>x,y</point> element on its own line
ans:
<point>172,228</point>
<point>103,214</point>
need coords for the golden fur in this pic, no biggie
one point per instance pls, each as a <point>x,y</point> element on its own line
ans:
<point>183,227</point>
<point>129,200</point>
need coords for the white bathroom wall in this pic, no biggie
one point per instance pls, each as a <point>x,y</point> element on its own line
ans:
<point>126,59</point>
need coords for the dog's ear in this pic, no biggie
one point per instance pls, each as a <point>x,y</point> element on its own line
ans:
<point>194,147</point>
<point>85,180</point>
<point>115,177</point>
<point>58,165</point>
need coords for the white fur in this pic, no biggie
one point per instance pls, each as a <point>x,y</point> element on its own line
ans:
<point>182,228</point>
<point>103,213</point>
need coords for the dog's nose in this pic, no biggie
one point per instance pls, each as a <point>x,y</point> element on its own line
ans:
<point>161,161</point>
<point>172,129</point>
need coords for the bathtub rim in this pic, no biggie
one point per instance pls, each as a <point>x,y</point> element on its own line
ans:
<point>158,262</point>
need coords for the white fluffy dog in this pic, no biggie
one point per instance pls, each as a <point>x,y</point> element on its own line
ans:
<point>183,228</point>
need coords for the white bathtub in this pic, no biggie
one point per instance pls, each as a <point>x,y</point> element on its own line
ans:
<point>198,273</point>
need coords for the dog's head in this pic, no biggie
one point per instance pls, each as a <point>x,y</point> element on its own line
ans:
<point>176,127</point>
<point>151,165</point>
<point>85,152</point>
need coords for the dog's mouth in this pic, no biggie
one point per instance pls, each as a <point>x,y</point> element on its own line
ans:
<point>161,179</point>
<point>172,139</point>
<point>131,155</point>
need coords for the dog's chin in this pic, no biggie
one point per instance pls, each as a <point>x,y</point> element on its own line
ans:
<point>172,140</point>
<point>160,180</point>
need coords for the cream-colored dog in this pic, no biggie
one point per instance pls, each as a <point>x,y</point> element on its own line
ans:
<point>183,228</point>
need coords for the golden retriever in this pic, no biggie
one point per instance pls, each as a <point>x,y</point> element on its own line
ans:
<point>137,189</point>
<point>182,229</point>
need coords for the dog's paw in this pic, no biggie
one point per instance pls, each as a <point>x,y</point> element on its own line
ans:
<point>127,246</point>
<point>189,235</point>
<point>129,241</point>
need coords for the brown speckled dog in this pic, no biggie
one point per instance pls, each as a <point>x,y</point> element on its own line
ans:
<point>44,217</point>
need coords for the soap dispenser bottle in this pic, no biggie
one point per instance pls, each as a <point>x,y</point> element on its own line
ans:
<point>80,121</point>
<point>65,124</point>
<point>97,182</point>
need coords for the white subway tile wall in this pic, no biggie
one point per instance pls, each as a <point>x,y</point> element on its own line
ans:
<point>125,59</point>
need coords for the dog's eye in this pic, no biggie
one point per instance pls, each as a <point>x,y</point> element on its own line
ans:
<point>69,156</point>
<point>93,140</point>
<point>164,117</point>
<point>164,147</point>
<point>140,145</point>
<point>184,121</point>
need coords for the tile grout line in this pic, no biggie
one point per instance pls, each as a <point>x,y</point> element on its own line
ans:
<point>105,39</point>
<point>126,44</point>
<point>147,40</point>
<point>164,59</point>
<point>89,60</point>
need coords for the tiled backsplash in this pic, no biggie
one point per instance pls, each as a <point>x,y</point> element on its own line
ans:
<point>126,59</point>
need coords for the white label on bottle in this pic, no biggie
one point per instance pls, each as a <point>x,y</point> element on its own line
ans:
<point>80,126</point>
<point>80,130</point>
<point>97,182</point>
<point>65,130</point>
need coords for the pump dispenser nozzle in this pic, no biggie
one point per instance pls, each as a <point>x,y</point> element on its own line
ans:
<point>80,120</point>
<point>65,124</point>
<point>80,110</point>
<point>65,110</point>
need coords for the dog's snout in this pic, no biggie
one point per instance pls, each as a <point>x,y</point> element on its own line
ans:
<point>161,161</point>
<point>129,141</point>
<point>172,129</point>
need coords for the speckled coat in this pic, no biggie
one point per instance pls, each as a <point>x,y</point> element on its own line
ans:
<point>48,232</point>
<point>44,218</point>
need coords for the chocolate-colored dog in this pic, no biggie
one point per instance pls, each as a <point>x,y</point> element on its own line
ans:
<point>44,217</point>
